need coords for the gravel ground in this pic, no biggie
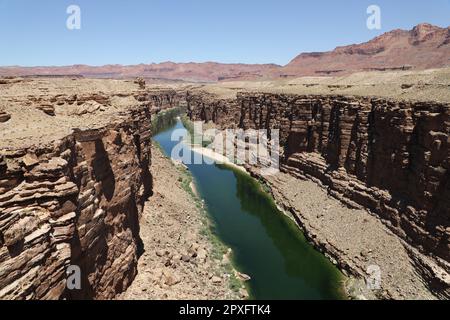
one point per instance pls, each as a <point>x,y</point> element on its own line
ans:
<point>428,85</point>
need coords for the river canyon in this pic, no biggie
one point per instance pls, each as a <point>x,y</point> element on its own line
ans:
<point>364,182</point>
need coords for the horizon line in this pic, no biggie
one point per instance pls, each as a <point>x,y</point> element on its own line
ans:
<point>216,62</point>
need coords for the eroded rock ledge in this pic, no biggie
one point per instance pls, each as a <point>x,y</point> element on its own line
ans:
<point>77,201</point>
<point>390,157</point>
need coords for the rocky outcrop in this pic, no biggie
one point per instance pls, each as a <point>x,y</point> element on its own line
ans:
<point>76,201</point>
<point>391,157</point>
<point>141,82</point>
<point>47,109</point>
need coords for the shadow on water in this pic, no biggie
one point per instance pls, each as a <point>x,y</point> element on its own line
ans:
<point>165,120</point>
<point>266,244</point>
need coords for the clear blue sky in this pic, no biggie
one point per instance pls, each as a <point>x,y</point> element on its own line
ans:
<point>249,31</point>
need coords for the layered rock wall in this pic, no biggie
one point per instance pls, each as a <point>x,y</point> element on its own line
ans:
<point>77,201</point>
<point>390,157</point>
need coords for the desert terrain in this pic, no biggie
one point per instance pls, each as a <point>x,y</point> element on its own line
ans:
<point>76,103</point>
<point>39,118</point>
<point>364,171</point>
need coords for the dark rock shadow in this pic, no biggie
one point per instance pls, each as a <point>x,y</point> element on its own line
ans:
<point>103,171</point>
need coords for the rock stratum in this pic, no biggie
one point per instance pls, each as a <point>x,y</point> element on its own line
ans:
<point>424,47</point>
<point>388,156</point>
<point>77,200</point>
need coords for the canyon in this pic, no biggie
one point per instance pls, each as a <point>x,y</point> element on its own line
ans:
<point>75,159</point>
<point>388,157</point>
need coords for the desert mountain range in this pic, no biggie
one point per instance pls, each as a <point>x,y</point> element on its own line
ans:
<point>425,46</point>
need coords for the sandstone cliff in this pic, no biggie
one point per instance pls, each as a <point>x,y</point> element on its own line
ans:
<point>77,201</point>
<point>391,157</point>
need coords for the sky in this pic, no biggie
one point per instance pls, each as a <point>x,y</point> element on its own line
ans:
<point>34,33</point>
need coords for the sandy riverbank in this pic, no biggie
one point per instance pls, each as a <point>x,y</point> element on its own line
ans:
<point>217,157</point>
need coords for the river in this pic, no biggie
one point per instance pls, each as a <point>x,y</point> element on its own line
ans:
<point>266,244</point>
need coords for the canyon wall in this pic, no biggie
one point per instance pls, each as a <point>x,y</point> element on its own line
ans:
<point>77,201</point>
<point>391,157</point>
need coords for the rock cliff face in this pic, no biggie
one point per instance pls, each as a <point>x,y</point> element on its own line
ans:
<point>390,157</point>
<point>77,201</point>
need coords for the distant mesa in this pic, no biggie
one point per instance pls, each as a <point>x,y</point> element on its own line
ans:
<point>424,47</point>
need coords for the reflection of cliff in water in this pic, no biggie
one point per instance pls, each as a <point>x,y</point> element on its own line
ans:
<point>299,257</point>
<point>165,120</point>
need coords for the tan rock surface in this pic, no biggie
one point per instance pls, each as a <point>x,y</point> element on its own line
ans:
<point>43,110</point>
<point>427,85</point>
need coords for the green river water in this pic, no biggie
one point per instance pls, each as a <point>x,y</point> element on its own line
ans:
<point>266,244</point>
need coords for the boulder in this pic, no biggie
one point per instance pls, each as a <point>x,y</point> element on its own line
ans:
<point>4,117</point>
<point>216,280</point>
<point>30,159</point>
<point>170,279</point>
<point>47,109</point>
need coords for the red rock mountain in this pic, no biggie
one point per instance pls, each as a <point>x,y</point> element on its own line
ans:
<point>208,71</point>
<point>425,46</point>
